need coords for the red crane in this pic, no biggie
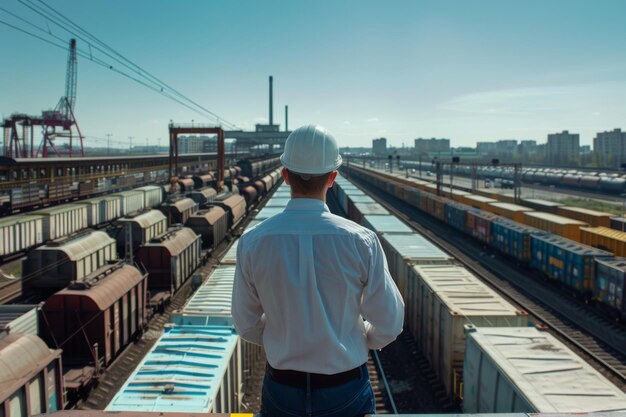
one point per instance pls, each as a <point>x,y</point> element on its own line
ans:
<point>58,127</point>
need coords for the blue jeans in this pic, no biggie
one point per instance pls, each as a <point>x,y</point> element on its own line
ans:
<point>354,398</point>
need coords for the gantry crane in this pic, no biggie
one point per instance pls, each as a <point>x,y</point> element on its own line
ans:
<point>57,125</point>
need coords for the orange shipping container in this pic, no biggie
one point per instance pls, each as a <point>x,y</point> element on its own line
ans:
<point>558,225</point>
<point>478,201</point>
<point>594,218</point>
<point>605,239</point>
<point>510,211</point>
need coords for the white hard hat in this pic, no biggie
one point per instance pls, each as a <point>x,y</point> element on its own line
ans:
<point>311,150</point>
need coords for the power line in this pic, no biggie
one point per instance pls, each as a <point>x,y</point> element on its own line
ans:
<point>149,80</point>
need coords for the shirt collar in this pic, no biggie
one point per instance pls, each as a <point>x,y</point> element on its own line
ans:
<point>306,204</point>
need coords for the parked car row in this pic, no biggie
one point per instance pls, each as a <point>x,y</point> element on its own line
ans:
<point>471,336</point>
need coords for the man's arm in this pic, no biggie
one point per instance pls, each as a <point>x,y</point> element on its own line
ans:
<point>381,305</point>
<point>246,307</point>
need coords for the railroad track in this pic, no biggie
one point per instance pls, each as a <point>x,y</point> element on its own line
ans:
<point>594,337</point>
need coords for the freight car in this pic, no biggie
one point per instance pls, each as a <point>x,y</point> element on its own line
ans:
<point>107,309</point>
<point>73,258</point>
<point>62,220</point>
<point>209,359</point>
<point>523,369</point>
<point>19,233</point>
<point>102,209</point>
<point>31,377</point>
<point>254,167</point>
<point>558,258</point>
<point>152,195</point>
<point>131,201</point>
<point>211,224</point>
<point>234,205</point>
<point>178,211</point>
<point>203,195</point>
<point>144,225</point>
<point>609,285</point>
<point>170,258</point>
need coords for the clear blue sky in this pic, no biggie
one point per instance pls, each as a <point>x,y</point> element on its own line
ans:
<point>466,70</point>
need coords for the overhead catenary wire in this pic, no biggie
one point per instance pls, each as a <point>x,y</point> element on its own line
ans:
<point>142,77</point>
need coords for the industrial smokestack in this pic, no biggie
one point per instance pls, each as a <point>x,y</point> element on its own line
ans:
<point>286,118</point>
<point>271,101</point>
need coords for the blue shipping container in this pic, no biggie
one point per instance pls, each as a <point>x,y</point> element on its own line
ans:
<point>512,238</point>
<point>455,215</point>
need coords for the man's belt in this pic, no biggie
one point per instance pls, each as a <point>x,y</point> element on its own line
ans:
<point>298,379</point>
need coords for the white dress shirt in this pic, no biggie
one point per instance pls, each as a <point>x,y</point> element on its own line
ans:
<point>304,284</point>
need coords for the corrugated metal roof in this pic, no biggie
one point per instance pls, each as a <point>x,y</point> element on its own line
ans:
<point>231,254</point>
<point>606,232</point>
<point>181,373</point>
<point>129,193</point>
<point>20,318</point>
<point>462,292</point>
<point>211,216</point>
<point>545,203</point>
<point>415,247</point>
<point>206,192</point>
<point>148,188</point>
<point>371,208</point>
<point>81,246</point>
<point>110,288</point>
<point>58,209</point>
<point>211,304</point>
<point>145,220</point>
<point>551,377</point>
<point>20,357</point>
<point>553,218</point>
<point>480,198</point>
<point>183,204</point>
<point>174,240</point>
<point>585,211</point>
<point>570,245</point>
<point>362,199</point>
<point>386,224</point>
<point>268,212</point>
<point>20,218</point>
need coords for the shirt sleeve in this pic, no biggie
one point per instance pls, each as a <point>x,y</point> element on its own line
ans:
<point>246,307</point>
<point>381,304</point>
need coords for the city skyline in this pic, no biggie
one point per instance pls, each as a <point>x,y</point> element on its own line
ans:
<point>483,71</point>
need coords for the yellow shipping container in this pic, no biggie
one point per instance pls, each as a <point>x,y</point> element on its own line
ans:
<point>510,211</point>
<point>594,218</point>
<point>552,223</point>
<point>478,201</point>
<point>605,239</point>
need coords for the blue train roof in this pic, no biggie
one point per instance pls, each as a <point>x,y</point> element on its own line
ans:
<point>182,372</point>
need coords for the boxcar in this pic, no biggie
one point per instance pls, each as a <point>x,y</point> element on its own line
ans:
<point>171,258</point>
<point>553,223</point>
<point>260,188</point>
<point>386,224</point>
<point>208,358</point>
<point>108,308</point>
<point>512,238</point>
<point>235,206</point>
<point>19,318</point>
<point>185,185</point>
<point>250,194</point>
<point>144,226</point>
<point>618,223</point>
<point>609,287</point>
<point>526,370</point>
<point>403,251</point>
<point>102,209</point>
<point>152,195</point>
<point>510,211</point>
<point>478,224</point>
<point>478,201</point>
<point>59,262</point>
<point>445,298</point>
<point>131,201</point>
<point>542,205</point>
<point>230,257</point>
<point>592,217</point>
<point>177,212</point>
<point>604,238</point>
<point>568,262</point>
<point>456,214</point>
<point>31,377</point>
<point>203,195</point>
<point>62,220</point>
<point>211,224</point>
<point>360,210</point>
<point>21,232</point>
<point>202,181</point>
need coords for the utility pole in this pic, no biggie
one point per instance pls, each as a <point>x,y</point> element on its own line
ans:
<point>108,135</point>
<point>130,150</point>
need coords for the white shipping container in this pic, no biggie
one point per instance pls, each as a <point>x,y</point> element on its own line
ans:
<point>18,233</point>
<point>446,298</point>
<point>131,201</point>
<point>62,220</point>
<point>153,195</point>
<point>527,370</point>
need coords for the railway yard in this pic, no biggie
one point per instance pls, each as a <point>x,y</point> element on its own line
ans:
<point>122,298</point>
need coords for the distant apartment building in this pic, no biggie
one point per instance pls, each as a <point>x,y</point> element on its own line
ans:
<point>379,146</point>
<point>486,148</point>
<point>506,147</point>
<point>424,146</point>
<point>610,148</point>
<point>563,148</point>
<point>527,147</point>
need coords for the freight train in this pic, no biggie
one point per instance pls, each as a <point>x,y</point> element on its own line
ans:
<point>106,306</point>
<point>592,273</point>
<point>471,336</point>
<point>599,182</point>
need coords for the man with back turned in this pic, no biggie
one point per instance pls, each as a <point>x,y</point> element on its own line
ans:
<point>314,289</point>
